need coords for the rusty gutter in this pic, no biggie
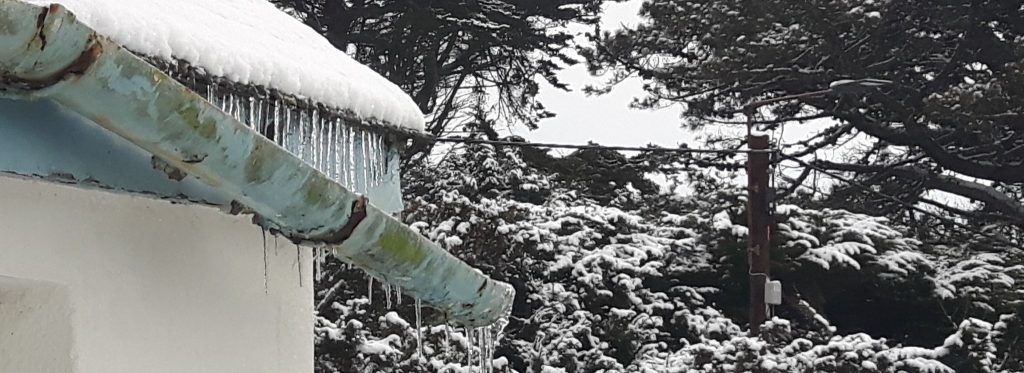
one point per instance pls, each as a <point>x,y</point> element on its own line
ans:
<point>46,53</point>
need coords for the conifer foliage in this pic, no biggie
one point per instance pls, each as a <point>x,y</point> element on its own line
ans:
<point>948,120</point>
<point>651,282</point>
<point>455,56</point>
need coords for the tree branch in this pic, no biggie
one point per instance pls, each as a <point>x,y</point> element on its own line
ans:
<point>992,198</point>
<point>916,135</point>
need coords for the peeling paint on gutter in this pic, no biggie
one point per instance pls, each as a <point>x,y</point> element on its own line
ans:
<point>45,52</point>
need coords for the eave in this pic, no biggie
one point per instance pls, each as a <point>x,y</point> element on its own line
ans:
<point>46,52</point>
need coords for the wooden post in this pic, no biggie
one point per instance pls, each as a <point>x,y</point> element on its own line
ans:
<point>758,220</point>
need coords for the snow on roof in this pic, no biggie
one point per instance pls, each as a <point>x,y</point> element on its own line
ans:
<point>249,42</point>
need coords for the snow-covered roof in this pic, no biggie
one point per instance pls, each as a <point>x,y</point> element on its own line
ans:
<point>249,42</point>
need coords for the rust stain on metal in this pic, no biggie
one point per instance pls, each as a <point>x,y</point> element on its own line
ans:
<point>172,172</point>
<point>79,66</point>
<point>40,21</point>
<point>357,216</point>
<point>85,60</point>
<point>237,208</point>
<point>62,177</point>
<point>194,158</point>
<point>54,8</point>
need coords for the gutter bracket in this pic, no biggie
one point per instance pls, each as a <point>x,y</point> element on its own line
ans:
<point>358,214</point>
<point>52,18</point>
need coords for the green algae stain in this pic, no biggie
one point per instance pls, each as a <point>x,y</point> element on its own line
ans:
<point>257,168</point>
<point>7,20</point>
<point>205,127</point>
<point>317,191</point>
<point>402,245</point>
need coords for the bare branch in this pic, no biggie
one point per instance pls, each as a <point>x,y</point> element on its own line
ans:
<point>992,198</point>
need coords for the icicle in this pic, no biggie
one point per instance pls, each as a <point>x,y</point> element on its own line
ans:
<point>350,154</point>
<point>323,143</point>
<point>375,160</point>
<point>332,153</point>
<point>398,295</point>
<point>214,95</point>
<point>225,102</point>
<point>300,130</point>
<point>298,262</point>
<point>447,338</point>
<point>387,294</point>
<point>369,290</point>
<point>317,254</point>
<point>327,147</point>
<point>469,347</point>
<point>277,123</point>
<point>263,113</point>
<point>216,99</point>
<point>315,133</point>
<point>419,328</point>
<point>371,160</point>
<point>286,133</point>
<point>480,347</point>
<point>228,105</point>
<point>356,181</point>
<point>236,108</point>
<point>265,287</point>
<point>382,158</point>
<point>336,143</point>
<point>490,349</point>
<point>365,147</point>
<point>317,143</point>
<point>485,357</point>
<point>254,121</point>
<point>343,154</point>
<point>239,109</point>
<point>356,166</point>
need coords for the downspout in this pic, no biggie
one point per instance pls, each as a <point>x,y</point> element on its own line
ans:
<point>46,52</point>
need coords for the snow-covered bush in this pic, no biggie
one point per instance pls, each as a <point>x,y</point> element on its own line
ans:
<point>642,282</point>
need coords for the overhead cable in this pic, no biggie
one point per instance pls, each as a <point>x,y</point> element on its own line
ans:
<point>462,140</point>
<point>903,203</point>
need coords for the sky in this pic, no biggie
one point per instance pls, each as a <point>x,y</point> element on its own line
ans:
<point>606,119</point>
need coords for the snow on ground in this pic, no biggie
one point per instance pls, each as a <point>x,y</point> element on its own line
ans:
<point>249,42</point>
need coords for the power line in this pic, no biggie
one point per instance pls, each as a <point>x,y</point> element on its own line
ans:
<point>834,175</point>
<point>461,140</point>
<point>868,189</point>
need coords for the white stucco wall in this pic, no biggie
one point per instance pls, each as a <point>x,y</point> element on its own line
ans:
<point>34,327</point>
<point>153,286</point>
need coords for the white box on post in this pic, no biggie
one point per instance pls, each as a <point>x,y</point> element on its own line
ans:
<point>773,293</point>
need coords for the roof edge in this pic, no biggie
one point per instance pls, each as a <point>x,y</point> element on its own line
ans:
<point>180,69</point>
<point>46,52</point>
